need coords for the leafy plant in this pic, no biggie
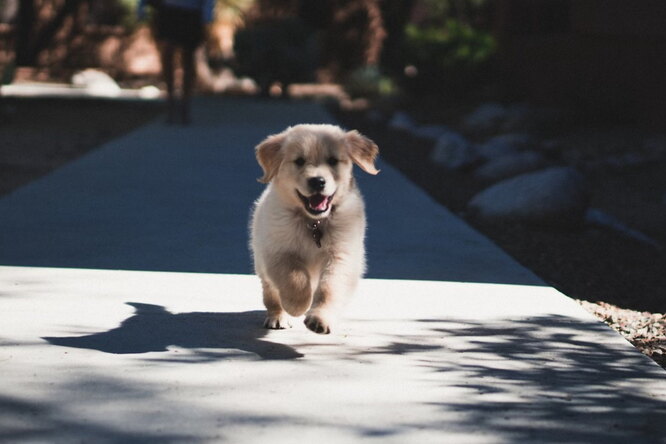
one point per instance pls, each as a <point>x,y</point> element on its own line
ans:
<point>453,56</point>
<point>369,82</point>
<point>456,44</point>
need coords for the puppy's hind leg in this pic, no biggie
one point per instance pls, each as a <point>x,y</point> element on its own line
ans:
<point>276,317</point>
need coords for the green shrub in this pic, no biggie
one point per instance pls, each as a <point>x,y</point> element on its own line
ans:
<point>450,58</point>
<point>369,82</point>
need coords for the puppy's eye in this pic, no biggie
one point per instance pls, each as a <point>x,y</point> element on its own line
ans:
<point>332,161</point>
<point>299,162</point>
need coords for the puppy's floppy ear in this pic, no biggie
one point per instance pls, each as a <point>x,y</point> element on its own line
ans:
<point>269,156</point>
<point>362,151</point>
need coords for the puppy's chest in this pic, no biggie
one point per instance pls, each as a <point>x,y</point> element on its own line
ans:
<point>306,236</point>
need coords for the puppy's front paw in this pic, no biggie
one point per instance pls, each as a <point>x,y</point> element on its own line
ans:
<point>318,324</point>
<point>277,322</point>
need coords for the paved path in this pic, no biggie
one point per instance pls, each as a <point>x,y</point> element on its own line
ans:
<point>173,199</point>
<point>455,343</point>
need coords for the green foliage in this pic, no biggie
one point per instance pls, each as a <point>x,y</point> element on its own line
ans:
<point>369,82</point>
<point>114,13</point>
<point>8,72</point>
<point>439,11</point>
<point>453,56</point>
<point>454,46</point>
<point>129,19</point>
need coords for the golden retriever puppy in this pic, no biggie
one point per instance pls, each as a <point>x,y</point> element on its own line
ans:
<point>308,226</point>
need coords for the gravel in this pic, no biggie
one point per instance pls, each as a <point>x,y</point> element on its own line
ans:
<point>645,330</point>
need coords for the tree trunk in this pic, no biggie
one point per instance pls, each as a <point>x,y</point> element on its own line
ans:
<point>27,48</point>
<point>25,23</point>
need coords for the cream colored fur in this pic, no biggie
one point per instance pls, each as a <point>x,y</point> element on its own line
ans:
<point>297,276</point>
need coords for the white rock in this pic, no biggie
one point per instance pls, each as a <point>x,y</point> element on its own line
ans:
<point>96,83</point>
<point>401,122</point>
<point>554,196</point>
<point>510,165</point>
<point>431,132</point>
<point>486,119</point>
<point>595,216</point>
<point>149,92</point>
<point>453,151</point>
<point>617,162</point>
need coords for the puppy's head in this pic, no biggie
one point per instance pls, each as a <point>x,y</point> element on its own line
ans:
<point>311,165</point>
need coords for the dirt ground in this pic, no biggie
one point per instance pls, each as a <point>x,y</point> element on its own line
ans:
<point>620,280</point>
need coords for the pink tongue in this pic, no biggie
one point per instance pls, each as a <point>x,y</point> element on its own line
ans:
<point>318,202</point>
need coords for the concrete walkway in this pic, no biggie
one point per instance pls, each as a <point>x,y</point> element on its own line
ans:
<point>449,341</point>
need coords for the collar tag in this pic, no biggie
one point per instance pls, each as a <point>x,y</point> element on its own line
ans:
<point>317,234</point>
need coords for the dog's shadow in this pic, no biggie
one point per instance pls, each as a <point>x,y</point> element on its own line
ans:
<point>211,336</point>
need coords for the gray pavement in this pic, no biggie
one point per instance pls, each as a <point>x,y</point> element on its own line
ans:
<point>128,314</point>
<point>177,199</point>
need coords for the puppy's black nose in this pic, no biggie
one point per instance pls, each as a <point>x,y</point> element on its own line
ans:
<point>316,183</point>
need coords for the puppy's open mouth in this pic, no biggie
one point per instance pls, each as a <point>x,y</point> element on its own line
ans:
<point>316,203</point>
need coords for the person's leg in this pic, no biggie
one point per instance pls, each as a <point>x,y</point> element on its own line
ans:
<point>167,52</point>
<point>189,77</point>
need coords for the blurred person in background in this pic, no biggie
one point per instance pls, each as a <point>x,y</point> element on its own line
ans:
<point>178,26</point>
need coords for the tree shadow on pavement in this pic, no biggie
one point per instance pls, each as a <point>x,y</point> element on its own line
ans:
<point>84,409</point>
<point>48,424</point>
<point>210,336</point>
<point>548,379</point>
